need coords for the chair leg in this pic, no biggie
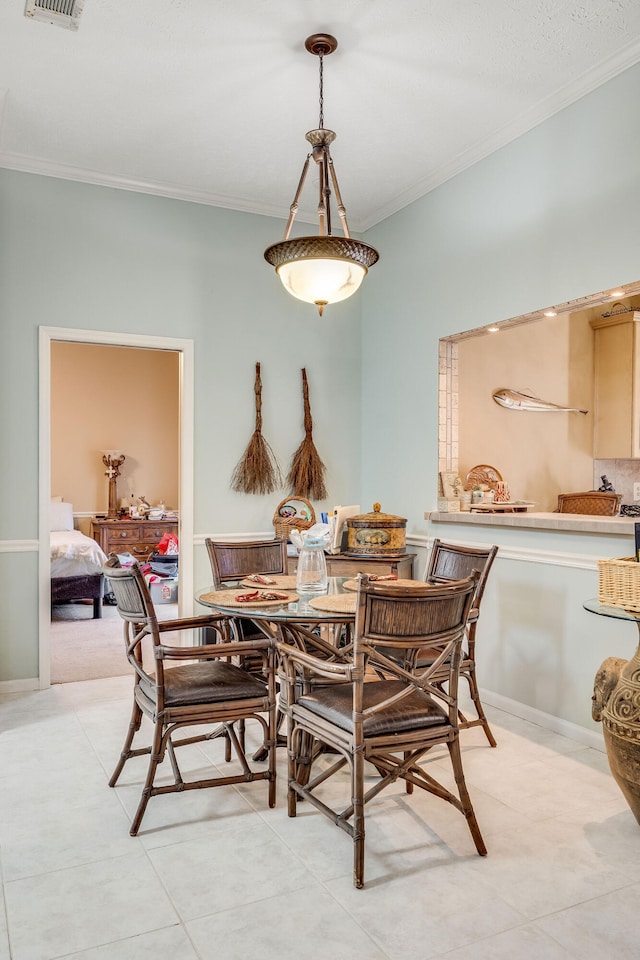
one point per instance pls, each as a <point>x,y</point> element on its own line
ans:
<point>470,675</point>
<point>292,767</point>
<point>157,755</point>
<point>407,784</point>
<point>465,799</point>
<point>273,743</point>
<point>281,740</point>
<point>357,800</point>
<point>306,754</point>
<point>134,726</point>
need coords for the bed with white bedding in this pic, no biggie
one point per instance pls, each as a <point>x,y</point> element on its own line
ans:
<point>76,561</point>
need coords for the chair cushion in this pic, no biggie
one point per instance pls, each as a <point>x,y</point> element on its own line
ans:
<point>335,704</point>
<point>209,681</point>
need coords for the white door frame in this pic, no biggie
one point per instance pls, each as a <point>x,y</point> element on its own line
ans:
<point>185,472</point>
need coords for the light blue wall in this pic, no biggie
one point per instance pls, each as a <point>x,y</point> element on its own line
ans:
<point>536,644</point>
<point>549,218</point>
<point>552,217</point>
<point>86,257</point>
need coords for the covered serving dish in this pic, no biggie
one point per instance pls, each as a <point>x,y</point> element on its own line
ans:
<point>376,534</point>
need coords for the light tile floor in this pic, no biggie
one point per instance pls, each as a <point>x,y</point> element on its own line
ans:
<point>217,874</point>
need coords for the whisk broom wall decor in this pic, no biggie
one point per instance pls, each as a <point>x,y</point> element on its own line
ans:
<point>257,471</point>
<point>307,471</point>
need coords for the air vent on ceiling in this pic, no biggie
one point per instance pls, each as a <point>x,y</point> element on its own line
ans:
<point>62,13</point>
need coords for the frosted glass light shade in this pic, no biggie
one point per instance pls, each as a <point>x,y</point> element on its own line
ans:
<point>321,281</point>
<point>321,270</point>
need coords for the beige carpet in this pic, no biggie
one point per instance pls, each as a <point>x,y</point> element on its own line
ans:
<point>87,649</point>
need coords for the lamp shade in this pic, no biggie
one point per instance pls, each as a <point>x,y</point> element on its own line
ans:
<point>321,270</point>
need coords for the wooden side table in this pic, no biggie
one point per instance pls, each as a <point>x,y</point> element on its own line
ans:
<point>137,537</point>
<point>344,565</point>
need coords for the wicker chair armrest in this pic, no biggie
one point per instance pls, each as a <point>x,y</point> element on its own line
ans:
<point>190,623</point>
<point>292,658</point>
<point>314,645</point>
<point>213,651</point>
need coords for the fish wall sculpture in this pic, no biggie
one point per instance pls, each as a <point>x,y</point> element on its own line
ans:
<point>514,400</point>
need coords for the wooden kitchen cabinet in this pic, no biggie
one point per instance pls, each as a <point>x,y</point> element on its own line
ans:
<point>137,537</point>
<point>343,565</point>
<point>616,431</point>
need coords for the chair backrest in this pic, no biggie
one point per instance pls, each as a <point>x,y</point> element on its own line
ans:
<point>395,624</point>
<point>136,609</point>
<point>594,502</point>
<point>232,561</point>
<point>450,561</point>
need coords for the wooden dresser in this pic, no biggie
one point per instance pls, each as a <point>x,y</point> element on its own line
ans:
<point>137,537</point>
<point>343,565</point>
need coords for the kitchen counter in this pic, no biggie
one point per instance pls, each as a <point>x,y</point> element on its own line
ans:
<point>571,522</point>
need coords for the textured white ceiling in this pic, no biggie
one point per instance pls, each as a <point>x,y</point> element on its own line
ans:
<point>209,100</point>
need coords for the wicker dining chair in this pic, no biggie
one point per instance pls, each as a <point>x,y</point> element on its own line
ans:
<point>451,561</point>
<point>381,709</point>
<point>186,686</point>
<point>232,561</point>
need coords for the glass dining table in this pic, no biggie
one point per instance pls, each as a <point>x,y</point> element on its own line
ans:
<point>334,610</point>
<point>326,619</point>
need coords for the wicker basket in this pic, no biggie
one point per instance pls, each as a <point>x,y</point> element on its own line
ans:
<point>619,583</point>
<point>596,503</point>
<point>284,525</point>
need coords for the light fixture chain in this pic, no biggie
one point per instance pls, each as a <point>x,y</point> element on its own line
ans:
<point>321,120</point>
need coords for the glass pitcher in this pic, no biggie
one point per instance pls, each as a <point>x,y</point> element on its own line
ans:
<point>311,577</point>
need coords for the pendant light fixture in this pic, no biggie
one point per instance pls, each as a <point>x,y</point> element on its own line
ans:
<point>321,269</point>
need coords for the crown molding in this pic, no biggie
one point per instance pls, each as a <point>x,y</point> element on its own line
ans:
<point>625,58</point>
<point>60,171</point>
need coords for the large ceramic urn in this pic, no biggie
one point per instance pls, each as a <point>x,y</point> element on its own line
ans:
<point>616,702</point>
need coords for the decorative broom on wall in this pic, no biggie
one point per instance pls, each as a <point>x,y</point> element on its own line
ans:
<point>257,470</point>
<point>307,471</point>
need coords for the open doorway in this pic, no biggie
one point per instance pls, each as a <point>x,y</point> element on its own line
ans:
<point>74,466</point>
<point>130,403</point>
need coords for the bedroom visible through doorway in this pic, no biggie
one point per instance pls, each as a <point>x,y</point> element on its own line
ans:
<point>124,391</point>
<point>130,401</point>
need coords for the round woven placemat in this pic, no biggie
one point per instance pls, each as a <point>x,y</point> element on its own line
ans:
<point>353,584</point>
<point>227,598</point>
<point>335,603</point>
<point>280,582</point>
